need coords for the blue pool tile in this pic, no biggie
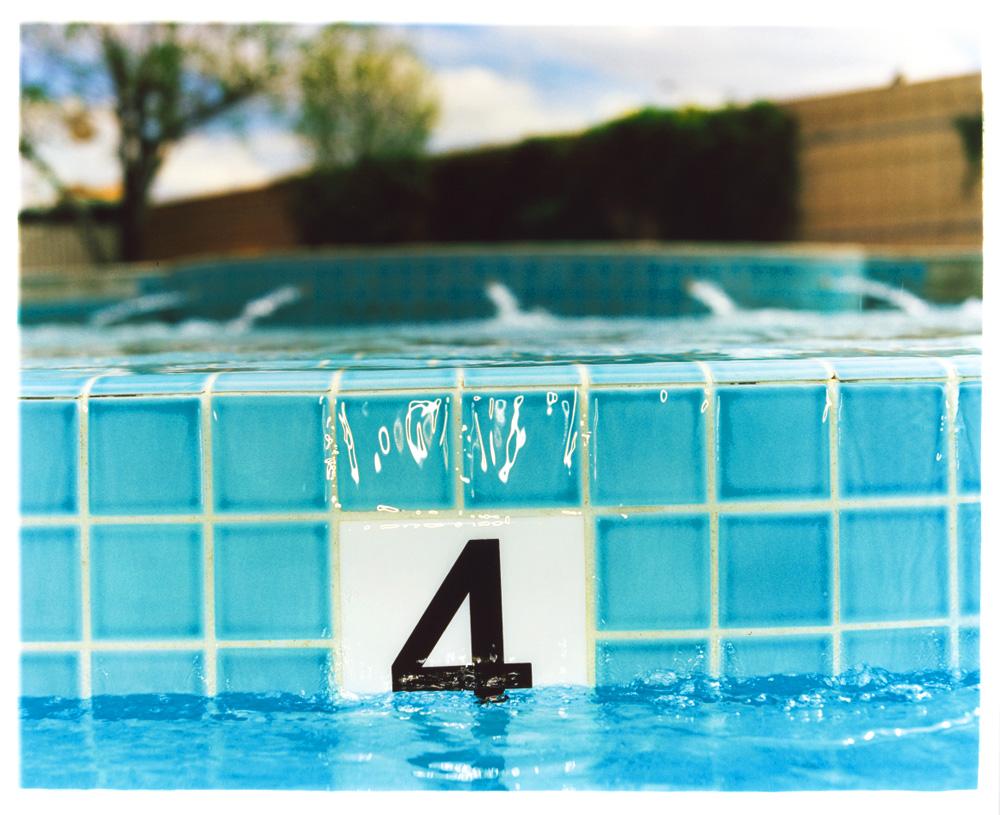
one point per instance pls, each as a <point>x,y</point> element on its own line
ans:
<point>395,451</point>
<point>892,440</point>
<point>901,649</point>
<point>623,661</point>
<point>968,649</point>
<point>862,368</point>
<point>761,656</point>
<point>315,381</point>
<point>653,572</point>
<point>267,453</point>
<point>146,581</point>
<point>773,443</point>
<point>300,671</point>
<point>139,384</point>
<point>969,539</point>
<point>774,570</point>
<point>647,446</point>
<point>893,564</point>
<point>645,373</point>
<point>387,376</point>
<point>768,370</point>
<point>272,581</point>
<point>521,449</point>
<point>528,375</point>
<point>124,672</point>
<point>967,436</point>
<point>970,365</point>
<point>145,456</point>
<point>50,441</point>
<point>50,383</point>
<point>56,674</point>
<point>50,584</point>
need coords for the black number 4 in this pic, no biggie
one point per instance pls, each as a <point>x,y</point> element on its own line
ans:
<point>476,573</point>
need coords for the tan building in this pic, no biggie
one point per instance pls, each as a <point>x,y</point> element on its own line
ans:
<point>887,166</point>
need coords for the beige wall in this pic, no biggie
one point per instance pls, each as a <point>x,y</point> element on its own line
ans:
<point>45,247</point>
<point>887,166</point>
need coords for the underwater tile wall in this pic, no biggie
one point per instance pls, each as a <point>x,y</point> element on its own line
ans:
<point>181,534</point>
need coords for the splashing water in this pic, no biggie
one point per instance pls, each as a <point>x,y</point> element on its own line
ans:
<point>262,307</point>
<point>509,312</point>
<point>905,301</point>
<point>869,729</point>
<point>711,296</point>
<point>136,307</point>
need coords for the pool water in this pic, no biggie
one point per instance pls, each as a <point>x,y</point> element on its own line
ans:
<point>868,729</point>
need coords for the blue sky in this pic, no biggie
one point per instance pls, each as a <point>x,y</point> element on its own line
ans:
<point>500,83</point>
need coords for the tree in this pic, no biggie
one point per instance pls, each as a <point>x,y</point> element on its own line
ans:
<point>162,81</point>
<point>363,96</point>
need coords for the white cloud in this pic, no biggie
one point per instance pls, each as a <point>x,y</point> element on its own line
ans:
<point>203,164</point>
<point>479,105</point>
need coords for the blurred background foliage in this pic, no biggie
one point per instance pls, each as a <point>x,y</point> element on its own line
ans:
<point>727,174</point>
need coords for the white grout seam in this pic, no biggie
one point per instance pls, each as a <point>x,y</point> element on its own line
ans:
<point>831,414</point>
<point>711,457</point>
<point>588,439</point>
<point>951,428</point>
<point>208,539</point>
<point>83,485</point>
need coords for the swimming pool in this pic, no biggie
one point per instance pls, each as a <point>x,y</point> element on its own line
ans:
<point>746,538</point>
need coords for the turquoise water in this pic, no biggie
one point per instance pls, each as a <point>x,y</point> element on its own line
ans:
<point>865,730</point>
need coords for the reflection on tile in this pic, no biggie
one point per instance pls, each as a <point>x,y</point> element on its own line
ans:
<point>521,449</point>
<point>299,671</point>
<point>125,672</point>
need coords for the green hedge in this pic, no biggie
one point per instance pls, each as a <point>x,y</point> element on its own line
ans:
<point>705,175</point>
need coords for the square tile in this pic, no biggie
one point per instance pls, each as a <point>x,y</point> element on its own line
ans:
<point>50,443</point>
<point>521,449</point>
<point>145,456</point>
<point>50,584</point>
<point>773,442</point>
<point>774,570</point>
<point>128,672</point>
<point>969,544</point>
<point>299,671</point>
<point>647,446</point>
<point>128,384</point>
<point>892,440</point>
<point>395,378</point>
<point>395,451</point>
<point>787,654</point>
<point>968,429</point>
<point>272,581</point>
<point>267,453</point>
<point>893,564</point>
<point>653,572</point>
<point>54,674</point>
<point>900,649</point>
<point>621,662</point>
<point>645,373</point>
<point>146,581</point>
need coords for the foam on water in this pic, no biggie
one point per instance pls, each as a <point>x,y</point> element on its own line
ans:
<point>866,730</point>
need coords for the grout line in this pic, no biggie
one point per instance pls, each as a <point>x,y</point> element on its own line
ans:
<point>951,417</point>
<point>83,486</point>
<point>336,673</point>
<point>832,415</point>
<point>723,508</point>
<point>170,645</point>
<point>708,408</point>
<point>208,538</point>
<point>588,437</point>
<point>63,646</point>
<point>775,631</point>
